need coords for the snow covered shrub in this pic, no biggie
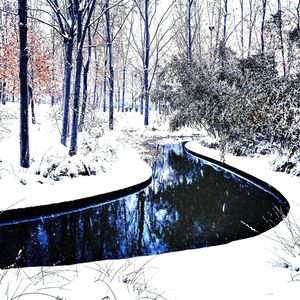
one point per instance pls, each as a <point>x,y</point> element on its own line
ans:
<point>56,164</point>
<point>94,156</point>
<point>100,152</point>
<point>94,122</point>
<point>279,122</point>
<point>244,104</point>
<point>211,99</point>
<point>288,163</point>
<point>278,115</point>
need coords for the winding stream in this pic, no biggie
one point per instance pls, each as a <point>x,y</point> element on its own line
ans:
<point>189,204</point>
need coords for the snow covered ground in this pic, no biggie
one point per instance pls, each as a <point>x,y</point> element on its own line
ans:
<point>55,176</point>
<point>246,269</point>
<point>118,178</point>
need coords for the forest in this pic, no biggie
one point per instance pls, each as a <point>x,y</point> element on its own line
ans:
<point>229,67</point>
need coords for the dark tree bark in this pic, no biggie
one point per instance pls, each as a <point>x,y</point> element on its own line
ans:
<point>298,18</point>
<point>252,21</point>
<point>242,28</point>
<point>33,119</point>
<point>262,31</point>
<point>225,19</point>
<point>189,28</point>
<point>53,66</point>
<point>95,94</point>
<point>80,37</point>
<point>142,97</point>
<point>123,89</point>
<point>147,10</point>
<point>281,37</point>
<point>250,28</point>
<point>105,81</point>
<point>2,92</point>
<point>217,36</point>
<point>224,40</point>
<point>24,126</point>
<point>146,63</point>
<point>68,32</point>
<point>69,44</point>
<point>110,65</point>
<point>85,80</point>
<point>77,84</point>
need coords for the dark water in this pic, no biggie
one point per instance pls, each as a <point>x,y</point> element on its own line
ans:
<point>190,204</point>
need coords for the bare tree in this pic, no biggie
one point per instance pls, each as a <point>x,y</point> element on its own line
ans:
<point>262,37</point>
<point>24,126</point>
<point>82,28</point>
<point>279,12</point>
<point>110,65</point>
<point>147,9</point>
<point>65,17</point>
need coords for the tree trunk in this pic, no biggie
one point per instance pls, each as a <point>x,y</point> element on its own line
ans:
<point>2,92</point>
<point>250,27</point>
<point>24,126</point>
<point>142,97</point>
<point>123,89</point>
<point>53,68</point>
<point>146,63</point>
<point>132,94</point>
<point>262,31</point>
<point>224,40</point>
<point>189,28</point>
<point>118,98</point>
<point>67,88</point>
<point>85,80</point>
<point>33,119</point>
<point>95,94</point>
<point>225,20</point>
<point>68,61</point>
<point>111,68</point>
<point>298,18</point>
<point>105,80</point>
<point>281,38</point>
<point>77,84</point>
<point>242,28</point>
<point>217,37</point>
<point>80,37</point>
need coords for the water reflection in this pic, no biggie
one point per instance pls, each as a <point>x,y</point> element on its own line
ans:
<point>190,204</point>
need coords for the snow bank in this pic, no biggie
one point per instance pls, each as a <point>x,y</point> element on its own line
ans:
<point>54,176</point>
<point>259,167</point>
<point>129,170</point>
<point>239,270</point>
<point>242,269</point>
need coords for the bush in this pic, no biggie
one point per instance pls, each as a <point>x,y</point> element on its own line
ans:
<point>245,104</point>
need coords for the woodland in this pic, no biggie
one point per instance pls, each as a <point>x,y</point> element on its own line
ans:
<point>228,66</point>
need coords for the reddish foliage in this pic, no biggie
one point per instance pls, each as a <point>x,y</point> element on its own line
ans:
<point>40,58</point>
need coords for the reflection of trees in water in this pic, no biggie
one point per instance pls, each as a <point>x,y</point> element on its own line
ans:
<point>190,204</point>
<point>208,204</point>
